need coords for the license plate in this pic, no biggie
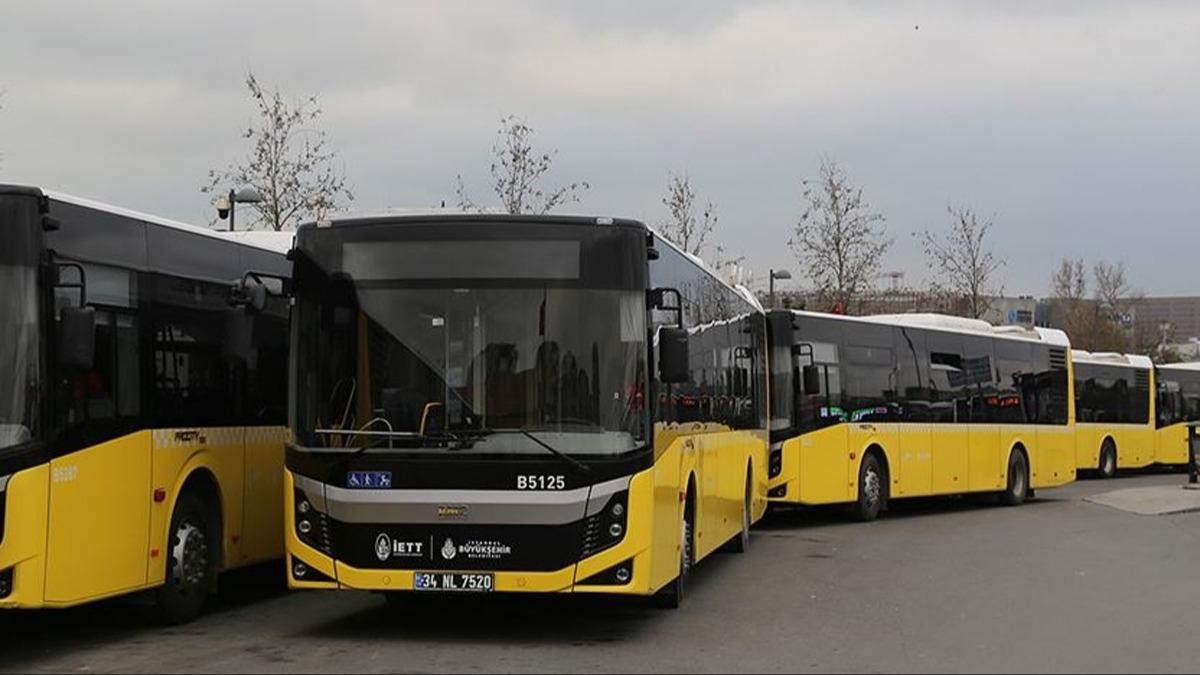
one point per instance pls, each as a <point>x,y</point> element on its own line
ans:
<point>454,582</point>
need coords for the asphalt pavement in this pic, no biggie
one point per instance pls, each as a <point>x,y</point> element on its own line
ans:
<point>1060,584</point>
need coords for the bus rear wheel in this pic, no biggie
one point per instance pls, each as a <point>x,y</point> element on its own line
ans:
<point>1018,480</point>
<point>191,559</point>
<point>871,487</point>
<point>1108,459</point>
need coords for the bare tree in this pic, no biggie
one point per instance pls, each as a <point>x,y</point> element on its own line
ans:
<point>965,266</point>
<point>1069,289</point>
<point>839,241</point>
<point>518,171</point>
<point>289,162</point>
<point>687,229</point>
<point>1115,299</point>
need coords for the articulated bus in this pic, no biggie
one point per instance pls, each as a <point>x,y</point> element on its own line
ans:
<point>1114,412</point>
<point>141,414</point>
<point>517,404</point>
<point>869,409</point>
<point>1178,405</point>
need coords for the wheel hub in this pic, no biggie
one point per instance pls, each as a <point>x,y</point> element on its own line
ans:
<point>872,487</point>
<point>189,558</point>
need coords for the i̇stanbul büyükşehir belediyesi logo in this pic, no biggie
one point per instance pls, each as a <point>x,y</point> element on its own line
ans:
<point>383,547</point>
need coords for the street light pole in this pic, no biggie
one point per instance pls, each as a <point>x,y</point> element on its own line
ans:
<point>775,274</point>
<point>227,204</point>
<point>232,207</point>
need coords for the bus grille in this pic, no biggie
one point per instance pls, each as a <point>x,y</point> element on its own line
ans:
<point>594,540</point>
<point>1058,359</point>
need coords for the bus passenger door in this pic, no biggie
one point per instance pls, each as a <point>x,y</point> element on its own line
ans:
<point>986,462</point>
<point>262,510</point>
<point>917,468</point>
<point>100,495</point>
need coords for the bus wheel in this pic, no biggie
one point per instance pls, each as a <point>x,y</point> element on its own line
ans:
<point>672,596</point>
<point>1018,480</point>
<point>741,543</point>
<point>1108,459</point>
<point>870,489</point>
<point>191,561</point>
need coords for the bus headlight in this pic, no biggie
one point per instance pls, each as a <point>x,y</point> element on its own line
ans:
<point>606,527</point>
<point>6,583</point>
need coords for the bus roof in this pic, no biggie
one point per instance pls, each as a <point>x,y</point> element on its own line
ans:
<point>1112,359</point>
<point>443,215</point>
<point>955,324</point>
<point>1189,366</point>
<point>267,241</point>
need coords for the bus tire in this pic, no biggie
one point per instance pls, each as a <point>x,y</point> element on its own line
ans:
<point>193,543</point>
<point>671,597</point>
<point>741,543</point>
<point>1018,480</point>
<point>872,485</point>
<point>1108,459</point>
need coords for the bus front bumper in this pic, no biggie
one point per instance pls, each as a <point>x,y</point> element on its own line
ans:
<point>25,498</point>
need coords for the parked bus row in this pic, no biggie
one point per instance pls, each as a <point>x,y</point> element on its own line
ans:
<point>483,404</point>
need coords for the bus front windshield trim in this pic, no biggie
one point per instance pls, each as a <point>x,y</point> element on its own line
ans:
<point>419,364</point>
<point>20,338</point>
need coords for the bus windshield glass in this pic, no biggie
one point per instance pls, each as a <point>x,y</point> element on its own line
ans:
<point>471,345</point>
<point>20,372</point>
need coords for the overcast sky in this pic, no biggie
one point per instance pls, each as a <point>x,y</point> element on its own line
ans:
<point>1073,126</point>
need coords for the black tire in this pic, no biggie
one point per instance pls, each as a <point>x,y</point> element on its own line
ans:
<point>193,545</point>
<point>1108,459</point>
<point>1018,480</point>
<point>671,596</point>
<point>872,489</point>
<point>741,543</point>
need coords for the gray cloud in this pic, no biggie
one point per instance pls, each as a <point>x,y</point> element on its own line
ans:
<point>1069,123</point>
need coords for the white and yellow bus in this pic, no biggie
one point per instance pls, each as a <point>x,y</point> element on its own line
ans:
<point>518,404</point>
<point>141,411</point>
<point>1178,404</point>
<point>871,409</point>
<point>1114,412</point>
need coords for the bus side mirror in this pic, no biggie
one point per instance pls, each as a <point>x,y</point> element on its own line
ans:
<point>812,379</point>
<point>77,338</point>
<point>673,355</point>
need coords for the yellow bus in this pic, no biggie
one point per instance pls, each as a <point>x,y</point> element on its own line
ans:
<point>1114,412</point>
<point>1178,386</point>
<point>141,413</point>
<point>870,409</point>
<point>517,404</point>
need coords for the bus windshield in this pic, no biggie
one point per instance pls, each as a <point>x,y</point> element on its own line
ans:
<point>425,360</point>
<point>19,366</point>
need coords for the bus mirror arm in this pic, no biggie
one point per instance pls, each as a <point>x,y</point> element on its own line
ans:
<point>251,292</point>
<point>658,300</point>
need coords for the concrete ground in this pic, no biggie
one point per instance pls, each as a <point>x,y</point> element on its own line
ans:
<point>1057,585</point>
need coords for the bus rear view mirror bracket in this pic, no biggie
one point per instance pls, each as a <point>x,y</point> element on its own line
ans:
<point>658,300</point>
<point>251,293</point>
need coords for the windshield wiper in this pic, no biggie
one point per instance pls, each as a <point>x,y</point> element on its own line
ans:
<point>578,465</point>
